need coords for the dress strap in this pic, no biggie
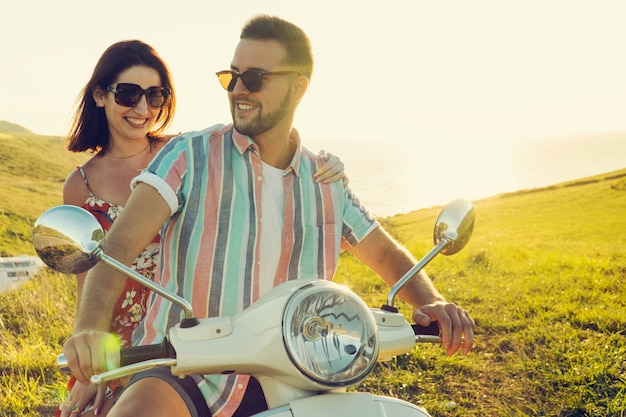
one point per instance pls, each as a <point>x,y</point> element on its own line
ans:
<point>82,173</point>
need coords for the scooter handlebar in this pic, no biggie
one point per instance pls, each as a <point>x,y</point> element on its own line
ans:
<point>136,354</point>
<point>133,354</point>
<point>431,330</point>
<point>427,334</point>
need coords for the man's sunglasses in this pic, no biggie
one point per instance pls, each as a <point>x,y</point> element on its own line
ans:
<point>128,95</point>
<point>251,79</point>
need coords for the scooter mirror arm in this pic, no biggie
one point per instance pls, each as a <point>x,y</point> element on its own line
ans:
<point>407,277</point>
<point>134,275</point>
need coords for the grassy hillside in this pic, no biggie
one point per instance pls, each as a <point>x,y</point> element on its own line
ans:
<point>543,276</point>
<point>32,171</point>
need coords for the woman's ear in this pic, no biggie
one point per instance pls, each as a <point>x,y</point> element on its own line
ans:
<point>98,95</point>
<point>300,84</point>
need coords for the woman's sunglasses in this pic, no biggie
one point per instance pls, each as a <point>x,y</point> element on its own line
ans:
<point>251,79</point>
<point>128,95</point>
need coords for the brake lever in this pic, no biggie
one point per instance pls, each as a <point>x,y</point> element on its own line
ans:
<point>132,369</point>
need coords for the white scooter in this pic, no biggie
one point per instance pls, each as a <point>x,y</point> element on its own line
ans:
<point>305,341</point>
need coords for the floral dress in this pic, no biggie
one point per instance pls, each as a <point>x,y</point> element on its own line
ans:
<point>130,307</point>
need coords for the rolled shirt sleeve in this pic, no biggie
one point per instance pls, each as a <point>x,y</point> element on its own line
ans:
<point>161,186</point>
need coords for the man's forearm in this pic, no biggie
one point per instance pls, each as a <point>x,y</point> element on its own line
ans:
<point>131,232</point>
<point>100,292</point>
<point>385,256</point>
<point>420,290</point>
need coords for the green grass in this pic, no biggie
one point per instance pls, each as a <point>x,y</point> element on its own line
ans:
<point>34,322</point>
<point>32,171</point>
<point>543,276</point>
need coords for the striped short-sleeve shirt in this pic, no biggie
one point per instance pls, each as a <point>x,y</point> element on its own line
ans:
<point>212,181</point>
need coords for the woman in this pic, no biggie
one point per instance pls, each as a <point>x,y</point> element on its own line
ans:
<point>121,116</point>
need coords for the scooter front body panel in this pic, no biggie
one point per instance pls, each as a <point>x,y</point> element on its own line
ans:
<point>346,405</point>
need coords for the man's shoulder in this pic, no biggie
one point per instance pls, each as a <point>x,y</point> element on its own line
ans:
<point>306,153</point>
<point>215,130</point>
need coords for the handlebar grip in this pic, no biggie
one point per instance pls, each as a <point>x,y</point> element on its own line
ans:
<point>136,354</point>
<point>431,330</point>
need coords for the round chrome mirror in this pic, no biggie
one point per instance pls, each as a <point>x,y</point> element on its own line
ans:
<point>66,238</point>
<point>453,230</point>
<point>455,224</point>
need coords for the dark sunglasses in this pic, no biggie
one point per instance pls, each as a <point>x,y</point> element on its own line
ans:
<point>251,79</point>
<point>128,95</point>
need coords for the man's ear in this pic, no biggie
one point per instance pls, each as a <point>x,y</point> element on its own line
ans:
<point>98,95</point>
<point>300,84</point>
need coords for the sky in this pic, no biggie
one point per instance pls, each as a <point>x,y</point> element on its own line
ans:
<point>438,80</point>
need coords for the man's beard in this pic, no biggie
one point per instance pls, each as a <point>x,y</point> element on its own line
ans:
<point>262,124</point>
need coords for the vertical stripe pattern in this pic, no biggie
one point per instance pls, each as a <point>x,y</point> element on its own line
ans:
<point>210,246</point>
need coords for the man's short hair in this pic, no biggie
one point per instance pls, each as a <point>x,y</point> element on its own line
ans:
<point>295,41</point>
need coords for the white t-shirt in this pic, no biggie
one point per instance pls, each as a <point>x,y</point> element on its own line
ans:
<point>272,212</point>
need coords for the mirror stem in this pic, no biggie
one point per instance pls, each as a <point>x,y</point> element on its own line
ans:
<point>419,266</point>
<point>120,267</point>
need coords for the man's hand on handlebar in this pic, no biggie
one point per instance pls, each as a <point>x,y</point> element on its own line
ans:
<point>456,325</point>
<point>91,352</point>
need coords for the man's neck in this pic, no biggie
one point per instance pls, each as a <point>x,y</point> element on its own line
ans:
<point>276,148</point>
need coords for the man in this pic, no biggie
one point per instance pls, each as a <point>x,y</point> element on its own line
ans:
<point>241,214</point>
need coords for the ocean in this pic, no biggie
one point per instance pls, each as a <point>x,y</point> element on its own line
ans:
<point>390,182</point>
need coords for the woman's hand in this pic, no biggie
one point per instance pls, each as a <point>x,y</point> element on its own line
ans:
<point>82,396</point>
<point>333,169</point>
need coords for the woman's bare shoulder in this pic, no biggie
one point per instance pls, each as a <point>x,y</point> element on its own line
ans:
<point>75,189</point>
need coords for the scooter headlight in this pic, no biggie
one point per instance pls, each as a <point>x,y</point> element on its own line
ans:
<point>330,334</point>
